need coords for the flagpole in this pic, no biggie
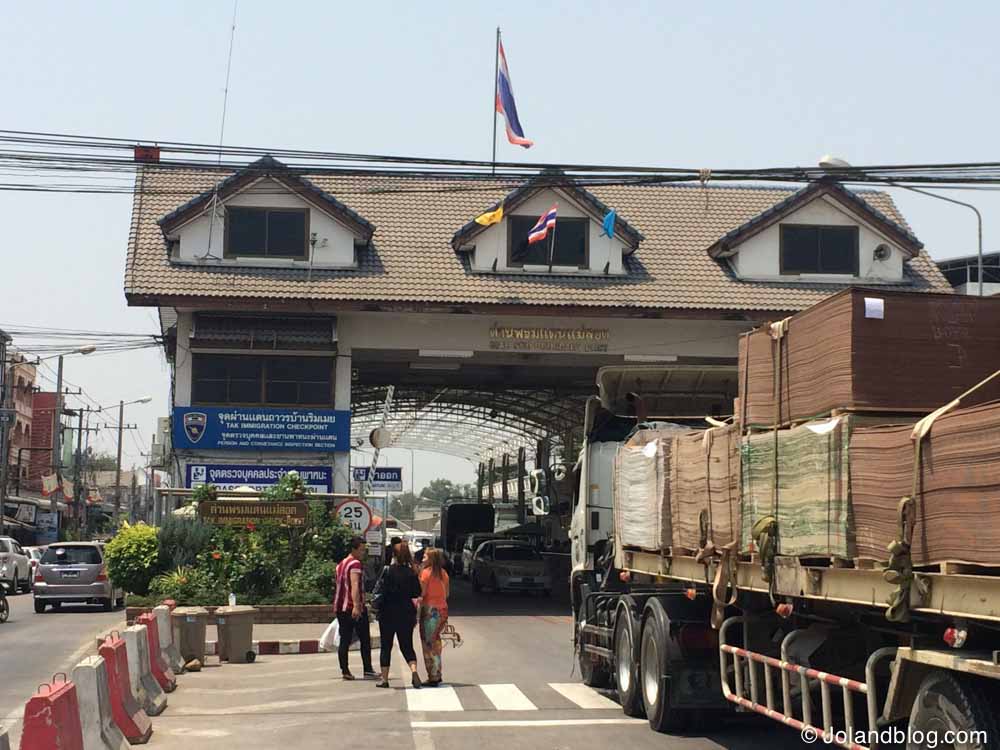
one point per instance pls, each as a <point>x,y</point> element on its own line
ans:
<point>496,91</point>
<point>552,245</point>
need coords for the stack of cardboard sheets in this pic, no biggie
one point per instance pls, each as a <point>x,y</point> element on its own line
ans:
<point>705,478</point>
<point>871,350</point>
<point>958,510</point>
<point>809,496</point>
<point>642,491</point>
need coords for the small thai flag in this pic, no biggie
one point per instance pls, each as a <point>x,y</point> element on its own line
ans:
<point>505,103</point>
<point>541,230</point>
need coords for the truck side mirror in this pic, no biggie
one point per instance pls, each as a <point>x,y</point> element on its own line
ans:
<point>540,505</point>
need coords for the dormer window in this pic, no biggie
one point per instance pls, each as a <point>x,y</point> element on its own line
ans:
<point>571,250</point>
<point>812,249</point>
<point>266,232</point>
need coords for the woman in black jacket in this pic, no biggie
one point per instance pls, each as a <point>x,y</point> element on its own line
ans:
<point>397,614</point>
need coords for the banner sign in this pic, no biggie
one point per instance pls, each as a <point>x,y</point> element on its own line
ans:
<point>387,478</point>
<point>252,428</point>
<point>47,525</point>
<point>243,512</point>
<point>26,513</point>
<point>231,476</point>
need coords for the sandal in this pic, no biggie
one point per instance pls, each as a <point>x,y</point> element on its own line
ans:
<point>416,681</point>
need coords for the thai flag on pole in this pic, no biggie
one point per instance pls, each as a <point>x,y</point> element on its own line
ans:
<point>541,230</point>
<point>505,103</point>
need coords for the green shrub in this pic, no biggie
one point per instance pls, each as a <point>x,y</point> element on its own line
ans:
<point>133,557</point>
<point>134,600</point>
<point>314,575</point>
<point>182,540</point>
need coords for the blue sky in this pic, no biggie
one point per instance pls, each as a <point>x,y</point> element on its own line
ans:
<point>663,83</point>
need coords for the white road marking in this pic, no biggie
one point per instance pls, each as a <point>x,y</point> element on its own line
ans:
<point>521,723</point>
<point>508,697</point>
<point>433,699</point>
<point>582,695</point>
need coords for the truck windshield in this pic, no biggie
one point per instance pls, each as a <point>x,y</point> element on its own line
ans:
<point>516,553</point>
<point>71,556</point>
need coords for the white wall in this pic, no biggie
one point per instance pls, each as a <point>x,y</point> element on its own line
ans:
<point>491,244</point>
<point>334,246</point>
<point>758,257</point>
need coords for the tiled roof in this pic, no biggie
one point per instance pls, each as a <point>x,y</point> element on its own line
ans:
<point>411,260</point>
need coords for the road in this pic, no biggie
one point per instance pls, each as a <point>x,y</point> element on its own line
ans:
<point>34,647</point>
<point>511,685</point>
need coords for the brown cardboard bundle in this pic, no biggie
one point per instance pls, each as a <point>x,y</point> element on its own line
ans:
<point>958,505</point>
<point>809,496</point>
<point>705,483</point>
<point>869,350</point>
<point>642,491</point>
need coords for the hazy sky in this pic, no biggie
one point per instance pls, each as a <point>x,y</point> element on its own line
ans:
<point>730,85</point>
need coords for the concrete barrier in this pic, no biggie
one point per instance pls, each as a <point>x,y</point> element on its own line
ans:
<point>99,729</point>
<point>128,715</point>
<point>149,693</point>
<point>52,718</point>
<point>162,673</point>
<point>167,645</point>
<point>4,739</point>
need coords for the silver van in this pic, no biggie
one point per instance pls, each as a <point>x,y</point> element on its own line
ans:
<point>74,572</point>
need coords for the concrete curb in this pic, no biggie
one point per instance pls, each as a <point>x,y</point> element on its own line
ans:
<point>273,648</point>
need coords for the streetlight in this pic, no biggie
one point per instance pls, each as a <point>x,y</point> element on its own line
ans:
<point>833,163</point>
<point>57,418</point>
<point>118,463</point>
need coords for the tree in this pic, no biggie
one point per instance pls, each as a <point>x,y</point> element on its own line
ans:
<point>441,490</point>
<point>402,505</point>
<point>101,462</point>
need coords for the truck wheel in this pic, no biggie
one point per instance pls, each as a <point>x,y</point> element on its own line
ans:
<point>627,663</point>
<point>593,672</point>
<point>957,704</point>
<point>654,671</point>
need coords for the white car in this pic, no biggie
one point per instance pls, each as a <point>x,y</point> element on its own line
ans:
<point>34,555</point>
<point>15,570</point>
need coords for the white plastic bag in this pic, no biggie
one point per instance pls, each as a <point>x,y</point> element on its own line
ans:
<point>330,639</point>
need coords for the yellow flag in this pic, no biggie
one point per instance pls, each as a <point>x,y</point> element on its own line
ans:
<point>490,217</point>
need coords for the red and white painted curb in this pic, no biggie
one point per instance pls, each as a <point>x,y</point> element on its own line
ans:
<point>269,648</point>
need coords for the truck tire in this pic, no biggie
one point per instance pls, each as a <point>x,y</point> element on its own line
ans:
<point>593,672</point>
<point>654,671</point>
<point>626,647</point>
<point>946,702</point>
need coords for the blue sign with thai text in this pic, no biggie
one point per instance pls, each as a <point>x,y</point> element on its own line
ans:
<point>260,477</point>
<point>386,479</point>
<point>251,428</point>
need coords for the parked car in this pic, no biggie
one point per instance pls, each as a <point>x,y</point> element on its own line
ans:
<point>75,572</point>
<point>34,555</point>
<point>472,543</point>
<point>14,567</point>
<point>509,566</point>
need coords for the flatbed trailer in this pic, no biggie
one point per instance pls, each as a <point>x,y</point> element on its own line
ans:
<point>682,639</point>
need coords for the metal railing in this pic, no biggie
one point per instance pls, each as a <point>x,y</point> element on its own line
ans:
<point>745,665</point>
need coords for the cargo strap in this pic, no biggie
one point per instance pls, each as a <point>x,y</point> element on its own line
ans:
<point>900,568</point>
<point>765,536</point>
<point>724,585</point>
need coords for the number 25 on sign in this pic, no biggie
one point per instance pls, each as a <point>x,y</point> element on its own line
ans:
<point>356,515</point>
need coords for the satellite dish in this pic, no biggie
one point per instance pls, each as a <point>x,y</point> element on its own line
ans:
<point>380,437</point>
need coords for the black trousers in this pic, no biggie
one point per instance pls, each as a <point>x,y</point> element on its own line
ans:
<point>348,628</point>
<point>403,633</point>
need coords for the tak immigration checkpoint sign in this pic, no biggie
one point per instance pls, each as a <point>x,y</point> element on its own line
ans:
<point>251,428</point>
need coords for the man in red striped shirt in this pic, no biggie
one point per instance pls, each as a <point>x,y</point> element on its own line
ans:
<point>352,614</point>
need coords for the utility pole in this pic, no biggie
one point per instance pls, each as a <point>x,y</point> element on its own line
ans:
<point>57,437</point>
<point>6,402</point>
<point>118,462</point>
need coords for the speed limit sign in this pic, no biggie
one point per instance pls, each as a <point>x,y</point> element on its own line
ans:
<point>356,515</point>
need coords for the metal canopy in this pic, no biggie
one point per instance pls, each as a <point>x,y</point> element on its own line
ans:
<point>470,423</point>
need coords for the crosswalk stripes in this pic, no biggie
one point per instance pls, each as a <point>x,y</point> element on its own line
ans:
<point>504,697</point>
<point>508,697</point>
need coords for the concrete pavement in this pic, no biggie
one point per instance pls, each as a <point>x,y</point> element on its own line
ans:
<point>33,647</point>
<point>512,684</point>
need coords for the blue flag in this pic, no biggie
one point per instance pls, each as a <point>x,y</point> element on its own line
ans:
<point>609,224</point>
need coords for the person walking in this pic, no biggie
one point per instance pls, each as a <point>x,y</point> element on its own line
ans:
<point>349,604</point>
<point>397,615</point>
<point>435,585</point>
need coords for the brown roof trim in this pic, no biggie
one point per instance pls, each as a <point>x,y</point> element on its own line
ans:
<point>910,245</point>
<point>257,304</point>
